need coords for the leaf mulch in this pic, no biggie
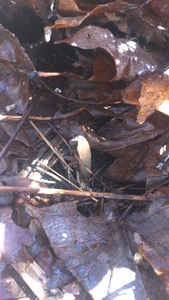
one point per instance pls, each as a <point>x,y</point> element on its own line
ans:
<point>84,151</point>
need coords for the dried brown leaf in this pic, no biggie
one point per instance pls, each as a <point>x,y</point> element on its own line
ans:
<point>86,247</point>
<point>152,226</point>
<point>68,7</point>
<point>142,23</point>
<point>154,92</point>
<point>151,92</point>
<point>13,238</point>
<point>15,68</point>
<point>161,11</point>
<point>114,137</point>
<point>12,51</point>
<point>129,59</point>
<point>100,13</point>
<point>127,165</point>
<point>159,263</point>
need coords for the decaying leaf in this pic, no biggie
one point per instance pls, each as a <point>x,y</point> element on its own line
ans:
<point>161,10</point>
<point>128,164</point>
<point>69,7</point>
<point>102,59</point>
<point>87,247</point>
<point>88,13</point>
<point>129,59</point>
<point>154,94</point>
<point>159,263</point>
<point>13,238</point>
<point>15,68</point>
<point>152,226</point>
<point>114,138</point>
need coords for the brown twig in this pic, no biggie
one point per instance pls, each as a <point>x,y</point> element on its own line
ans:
<point>36,118</point>
<point>50,191</point>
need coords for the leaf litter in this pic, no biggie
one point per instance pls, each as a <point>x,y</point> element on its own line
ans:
<point>70,228</point>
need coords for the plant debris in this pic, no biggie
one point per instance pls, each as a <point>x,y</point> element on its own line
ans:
<point>84,158</point>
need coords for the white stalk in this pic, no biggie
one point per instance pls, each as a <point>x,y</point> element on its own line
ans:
<point>84,152</point>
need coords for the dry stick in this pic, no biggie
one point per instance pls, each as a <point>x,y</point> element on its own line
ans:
<point>18,128</point>
<point>35,118</point>
<point>65,179</point>
<point>55,150</point>
<point>49,191</point>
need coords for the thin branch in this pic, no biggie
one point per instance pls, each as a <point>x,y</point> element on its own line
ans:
<point>50,191</point>
<point>65,179</point>
<point>36,118</point>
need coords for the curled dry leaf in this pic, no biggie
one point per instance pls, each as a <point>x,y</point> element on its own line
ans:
<point>113,139</point>
<point>135,157</point>
<point>102,13</point>
<point>129,59</point>
<point>154,94</point>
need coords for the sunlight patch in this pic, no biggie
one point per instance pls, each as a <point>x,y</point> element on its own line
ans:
<point>120,283</point>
